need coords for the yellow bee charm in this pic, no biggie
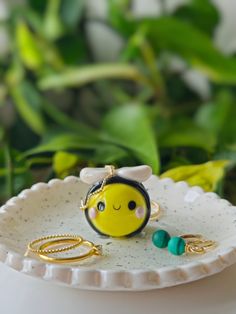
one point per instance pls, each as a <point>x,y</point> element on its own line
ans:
<point>118,205</point>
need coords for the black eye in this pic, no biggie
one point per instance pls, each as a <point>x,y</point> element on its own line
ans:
<point>132,205</point>
<point>101,206</point>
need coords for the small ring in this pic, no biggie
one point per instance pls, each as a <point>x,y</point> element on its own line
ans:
<point>95,250</point>
<point>75,244</point>
<point>190,236</point>
<point>195,243</point>
<point>31,246</point>
<point>157,213</point>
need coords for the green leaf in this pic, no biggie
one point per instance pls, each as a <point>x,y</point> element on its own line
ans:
<point>107,154</point>
<point>9,170</point>
<point>185,134</point>
<point>14,172</point>
<point>63,162</point>
<point>53,27</point>
<point>213,116</point>
<point>71,12</point>
<point>120,17</point>
<point>130,128</point>
<point>37,44</point>
<point>38,5</point>
<point>218,117</point>
<point>90,73</point>
<point>206,175</point>
<point>72,49</point>
<point>15,73</point>
<point>228,153</point>
<point>29,49</point>
<point>39,161</point>
<point>201,13</point>
<point>2,133</point>
<point>3,94</point>
<point>63,141</point>
<point>34,21</point>
<point>183,39</point>
<point>28,105</point>
<point>66,122</point>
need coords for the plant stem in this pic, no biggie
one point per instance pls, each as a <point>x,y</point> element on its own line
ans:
<point>9,172</point>
<point>164,10</point>
<point>150,60</point>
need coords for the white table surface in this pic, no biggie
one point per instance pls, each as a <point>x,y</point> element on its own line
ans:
<point>21,294</point>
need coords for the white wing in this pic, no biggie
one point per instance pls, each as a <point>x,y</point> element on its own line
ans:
<point>92,175</point>
<point>139,173</point>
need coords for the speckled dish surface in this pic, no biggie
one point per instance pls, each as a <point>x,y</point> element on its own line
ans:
<point>127,264</point>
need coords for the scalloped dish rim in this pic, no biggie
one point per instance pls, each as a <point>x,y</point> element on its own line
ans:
<point>115,280</point>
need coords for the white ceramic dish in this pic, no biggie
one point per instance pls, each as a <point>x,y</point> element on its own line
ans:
<point>127,264</point>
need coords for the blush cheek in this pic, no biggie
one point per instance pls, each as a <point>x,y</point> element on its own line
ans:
<point>140,212</point>
<point>92,213</point>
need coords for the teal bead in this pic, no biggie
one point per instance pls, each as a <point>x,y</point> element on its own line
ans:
<point>160,238</point>
<point>176,246</point>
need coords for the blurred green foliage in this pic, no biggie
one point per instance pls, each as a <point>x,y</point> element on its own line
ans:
<point>61,110</point>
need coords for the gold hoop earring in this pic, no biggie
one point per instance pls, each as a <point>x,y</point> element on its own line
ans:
<point>195,243</point>
<point>187,243</point>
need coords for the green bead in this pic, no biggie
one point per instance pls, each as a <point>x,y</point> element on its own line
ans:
<point>160,238</point>
<point>176,246</point>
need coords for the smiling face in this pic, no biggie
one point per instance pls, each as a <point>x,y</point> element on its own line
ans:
<point>118,210</point>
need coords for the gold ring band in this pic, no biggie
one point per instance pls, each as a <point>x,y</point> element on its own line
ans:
<point>54,240</point>
<point>95,250</point>
<point>190,236</point>
<point>32,245</point>
<point>157,213</point>
<point>196,244</point>
<point>74,244</point>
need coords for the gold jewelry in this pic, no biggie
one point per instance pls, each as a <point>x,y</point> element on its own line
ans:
<point>187,243</point>
<point>195,243</point>
<point>154,216</point>
<point>157,213</point>
<point>75,243</point>
<point>95,250</point>
<point>111,173</point>
<point>63,238</point>
<point>124,188</point>
<point>43,252</point>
